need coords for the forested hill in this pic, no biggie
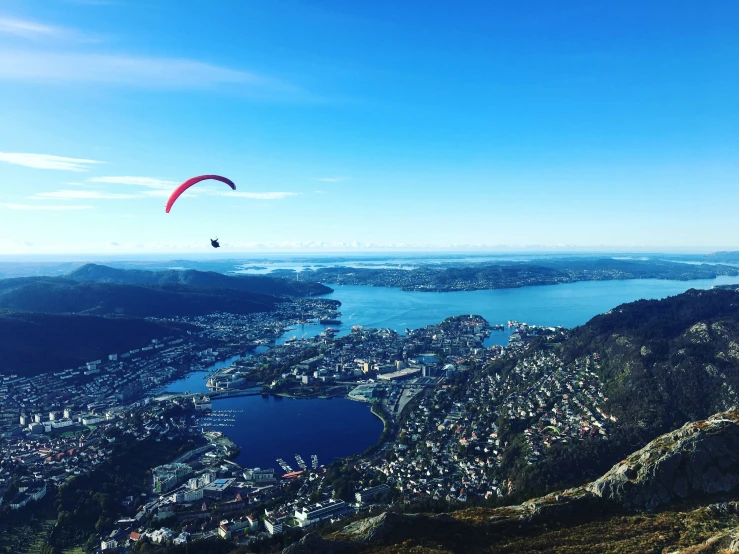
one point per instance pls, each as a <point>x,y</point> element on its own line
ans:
<point>665,362</point>
<point>211,279</point>
<point>59,295</point>
<point>661,363</point>
<point>31,343</point>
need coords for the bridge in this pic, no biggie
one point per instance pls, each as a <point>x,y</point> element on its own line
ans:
<point>252,391</point>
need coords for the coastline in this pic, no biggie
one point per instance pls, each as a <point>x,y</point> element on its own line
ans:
<point>380,415</point>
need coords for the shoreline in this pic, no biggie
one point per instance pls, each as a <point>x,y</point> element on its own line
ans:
<point>381,418</point>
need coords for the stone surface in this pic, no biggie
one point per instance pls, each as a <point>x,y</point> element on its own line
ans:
<point>700,458</point>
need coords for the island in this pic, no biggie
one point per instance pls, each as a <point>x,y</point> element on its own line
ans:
<point>458,276</point>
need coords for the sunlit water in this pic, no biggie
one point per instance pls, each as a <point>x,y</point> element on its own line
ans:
<point>268,428</point>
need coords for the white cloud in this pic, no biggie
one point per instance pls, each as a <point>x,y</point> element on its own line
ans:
<point>148,182</point>
<point>262,195</point>
<point>82,194</point>
<point>13,243</point>
<point>41,207</point>
<point>224,191</point>
<point>330,179</point>
<point>47,161</point>
<point>29,29</point>
<point>163,188</point>
<point>162,193</point>
<point>140,72</point>
<point>319,191</point>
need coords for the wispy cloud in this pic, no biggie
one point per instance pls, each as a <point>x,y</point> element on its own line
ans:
<point>151,186</point>
<point>13,243</point>
<point>95,2</point>
<point>47,161</point>
<point>263,195</point>
<point>140,72</point>
<point>29,29</point>
<point>81,195</point>
<point>160,187</point>
<point>35,30</point>
<point>147,182</point>
<point>330,179</point>
<point>42,207</point>
<point>319,191</point>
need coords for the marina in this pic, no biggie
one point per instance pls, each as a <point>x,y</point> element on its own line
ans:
<point>219,418</point>
<point>285,467</point>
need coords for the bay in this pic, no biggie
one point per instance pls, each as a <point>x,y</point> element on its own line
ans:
<point>269,428</point>
<point>195,381</point>
<point>569,305</point>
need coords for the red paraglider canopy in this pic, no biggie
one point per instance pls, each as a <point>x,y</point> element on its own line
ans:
<point>190,182</point>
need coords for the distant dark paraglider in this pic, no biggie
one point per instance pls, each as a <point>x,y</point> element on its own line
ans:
<point>214,243</point>
<point>190,182</point>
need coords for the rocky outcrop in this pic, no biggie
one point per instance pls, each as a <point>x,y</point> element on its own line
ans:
<point>389,526</point>
<point>315,544</point>
<point>698,459</point>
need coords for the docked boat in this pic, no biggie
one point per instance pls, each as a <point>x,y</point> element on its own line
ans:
<point>301,463</point>
<point>285,467</point>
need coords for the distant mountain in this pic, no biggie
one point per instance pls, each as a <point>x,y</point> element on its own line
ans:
<point>191,277</point>
<point>59,295</point>
<point>481,276</point>
<point>723,256</point>
<point>32,343</point>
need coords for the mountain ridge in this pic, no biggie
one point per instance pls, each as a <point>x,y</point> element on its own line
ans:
<point>62,295</point>
<point>601,508</point>
<point>258,284</point>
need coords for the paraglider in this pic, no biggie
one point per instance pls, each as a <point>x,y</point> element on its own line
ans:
<point>190,182</point>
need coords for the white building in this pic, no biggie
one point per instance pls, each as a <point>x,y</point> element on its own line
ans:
<point>60,423</point>
<point>160,536</point>
<point>273,527</point>
<point>192,495</point>
<point>37,492</point>
<point>317,512</point>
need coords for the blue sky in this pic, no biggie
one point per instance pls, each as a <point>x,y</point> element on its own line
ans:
<point>368,125</point>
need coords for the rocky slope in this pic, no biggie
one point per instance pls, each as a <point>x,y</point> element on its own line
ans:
<point>656,500</point>
<point>661,364</point>
<point>698,459</point>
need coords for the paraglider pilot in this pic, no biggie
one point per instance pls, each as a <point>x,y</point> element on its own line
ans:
<point>214,243</point>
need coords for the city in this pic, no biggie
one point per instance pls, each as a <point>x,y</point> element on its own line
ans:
<point>436,389</point>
